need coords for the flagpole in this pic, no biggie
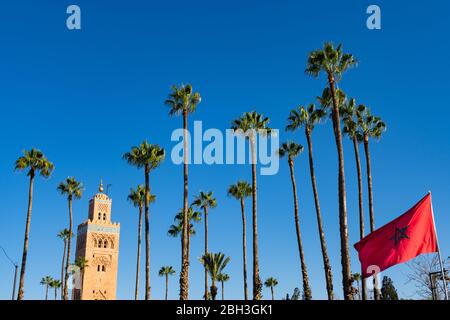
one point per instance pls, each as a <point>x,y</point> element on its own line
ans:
<point>439,252</point>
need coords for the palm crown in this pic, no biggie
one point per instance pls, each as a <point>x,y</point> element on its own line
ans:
<point>240,190</point>
<point>145,155</point>
<point>333,61</point>
<point>251,121</point>
<point>182,99</point>
<point>34,160</point>
<point>205,200</point>
<point>370,125</point>
<point>214,263</point>
<point>305,117</point>
<point>64,234</point>
<point>137,196</point>
<point>291,149</point>
<point>176,228</point>
<point>82,263</point>
<point>223,277</point>
<point>166,270</point>
<point>350,115</point>
<point>71,187</point>
<point>46,281</point>
<point>271,282</point>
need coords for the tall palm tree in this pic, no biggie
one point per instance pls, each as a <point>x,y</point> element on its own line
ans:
<point>55,284</point>
<point>240,191</point>
<point>271,283</point>
<point>222,278</point>
<point>214,263</point>
<point>81,263</point>
<point>137,198</point>
<point>205,201</point>
<point>334,62</point>
<point>149,157</point>
<point>46,281</point>
<point>350,113</point>
<point>176,229</point>
<point>308,118</point>
<point>183,101</point>
<point>166,271</point>
<point>73,189</point>
<point>371,127</point>
<point>292,150</point>
<point>64,235</point>
<point>250,124</point>
<point>35,162</point>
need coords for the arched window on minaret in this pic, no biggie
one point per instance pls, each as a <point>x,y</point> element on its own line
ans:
<point>100,243</point>
<point>105,244</point>
<point>99,216</point>
<point>104,217</point>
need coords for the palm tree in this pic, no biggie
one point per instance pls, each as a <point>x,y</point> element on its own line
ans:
<point>271,283</point>
<point>205,201</point>
<point>357,277</point>
<point>240,191</point>
<point>55,284</point>
<point>166,272</point>
<point>81,263</point>
<point>214,263</point>
<point>333,62</point>
<point>137,198</point>
<point>149,157</point>
<point>64,235</point>
<point>222,278</point>
<point>35,162</point>
<point>176,229</point>
<point>73,189</point>
<point>370,127</point>
<point>308,118</point>
<point>292,150</point>
<point>182,101</point>
<point>250,124</point>
<point>46,281</point>
<point>350,113</point>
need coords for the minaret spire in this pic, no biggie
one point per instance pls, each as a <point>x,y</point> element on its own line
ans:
<point>100,187</point>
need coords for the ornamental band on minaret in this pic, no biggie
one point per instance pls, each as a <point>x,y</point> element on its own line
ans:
<point>98,243</point>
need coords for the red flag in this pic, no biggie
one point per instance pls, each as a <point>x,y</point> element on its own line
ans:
<point>400,240</point>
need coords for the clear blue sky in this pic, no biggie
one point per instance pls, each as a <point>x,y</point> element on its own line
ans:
<point>85,97</point>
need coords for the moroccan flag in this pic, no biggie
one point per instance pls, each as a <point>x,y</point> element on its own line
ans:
<point>400,240</point>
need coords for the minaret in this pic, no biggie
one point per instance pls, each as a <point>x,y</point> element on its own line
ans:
<point>98,243</point>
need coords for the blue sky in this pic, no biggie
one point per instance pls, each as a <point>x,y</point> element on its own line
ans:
<point>85,97</point>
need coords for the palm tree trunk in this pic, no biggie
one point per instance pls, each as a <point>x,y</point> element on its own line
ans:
<point>56,292</point>
<point>188,248</point>
<point>62,268</point>
<point>138,262</point>
<point>167,285</point>
<point>273,296</point>
<point>147,233</point>
<point>323,244</point>
<point>184,274</point>
<point>213,289</point>
<point>69,242</point>
<point>223,294</point>
<point>377,295</point>
<point>306,287</point>
<point>343,225</point>
<point>206,251</point>
<point>244,248</point>
<point>25,240</point>
<point>257,286</point>
<point>46,292</point>
<point>360,204</point>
